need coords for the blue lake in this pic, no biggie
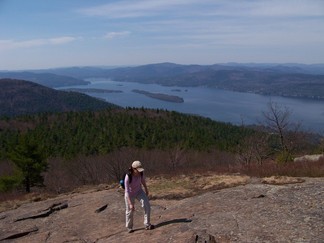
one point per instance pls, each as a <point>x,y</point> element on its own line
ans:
<point>220,105</point>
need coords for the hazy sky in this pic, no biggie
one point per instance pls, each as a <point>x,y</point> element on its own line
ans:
<point>57,33</point>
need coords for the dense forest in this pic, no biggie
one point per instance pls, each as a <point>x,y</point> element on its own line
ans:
<point>63,138</point>
<point>66,150</point>
<point>88,133</point>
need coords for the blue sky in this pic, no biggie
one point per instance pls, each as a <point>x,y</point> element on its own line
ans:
<point>57,33</point>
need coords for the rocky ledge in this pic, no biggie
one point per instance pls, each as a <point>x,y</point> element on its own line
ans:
<point>255,212</point>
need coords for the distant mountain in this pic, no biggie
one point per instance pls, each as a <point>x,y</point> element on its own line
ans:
<point>167,69</point>
<point>77,72</point>
<point>291,80</point>
<point>45,79</point>
<point>18,97</point>
<point>315,69</point>
<point>266,79</point>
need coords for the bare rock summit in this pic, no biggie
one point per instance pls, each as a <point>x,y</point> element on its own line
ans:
<point>255,212</point>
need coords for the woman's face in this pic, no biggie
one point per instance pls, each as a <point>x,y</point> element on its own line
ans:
<point>136,172</point>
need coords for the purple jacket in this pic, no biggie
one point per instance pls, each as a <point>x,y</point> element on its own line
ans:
<point>132,189</point>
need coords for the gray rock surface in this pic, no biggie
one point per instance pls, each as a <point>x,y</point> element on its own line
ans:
<point>254,212</point>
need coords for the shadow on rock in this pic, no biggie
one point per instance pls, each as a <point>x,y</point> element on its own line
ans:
<point>173,221</point>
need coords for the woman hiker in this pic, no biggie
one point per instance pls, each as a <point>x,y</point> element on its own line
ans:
<point>133,189</point>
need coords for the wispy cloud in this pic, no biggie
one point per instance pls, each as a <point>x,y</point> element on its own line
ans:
<point>13,44</point>
<point>287,8</point>
<point>61,40</point>
<point>183,30</point>
<point>130,8</point>
<point>113,35</point>
<point>235,21</point>
<point>265,8</point>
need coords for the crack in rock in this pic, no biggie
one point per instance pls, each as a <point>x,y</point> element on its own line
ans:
<point>101,208</point>
<point>46,213</point>
<point>15,235</point>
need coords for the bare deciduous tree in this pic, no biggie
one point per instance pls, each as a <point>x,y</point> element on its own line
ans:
<point>278,121</point>
<point>118,162</point>
<point>254,149</point>
<point>175,156</point>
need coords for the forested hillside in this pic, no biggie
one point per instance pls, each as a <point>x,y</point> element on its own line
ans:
<point>93,147</point>
<point>56,121</point>
<point>89,133</point>
<point>18,97</point>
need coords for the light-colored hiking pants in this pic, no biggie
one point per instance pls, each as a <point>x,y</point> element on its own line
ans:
<point>144,201</point>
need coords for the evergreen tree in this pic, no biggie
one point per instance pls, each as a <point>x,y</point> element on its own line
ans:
<point>30,160</point>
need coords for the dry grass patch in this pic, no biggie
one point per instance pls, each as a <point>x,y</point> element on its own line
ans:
<point>175,187</point>
<point>20,200</point>
<point>185,186</point>
<point>17,200</point>
<point>7,205</point>
<point>281,180</point>
<point>216,181</point>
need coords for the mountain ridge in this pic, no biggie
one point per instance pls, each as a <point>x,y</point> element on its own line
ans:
<point>20,97</point>
<point>288,80</point>
<point>46,79</point>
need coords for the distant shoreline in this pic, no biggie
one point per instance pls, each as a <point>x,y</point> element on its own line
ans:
<point>94,90</point>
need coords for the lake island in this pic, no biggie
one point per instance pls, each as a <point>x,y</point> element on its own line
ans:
<point>160,96</point>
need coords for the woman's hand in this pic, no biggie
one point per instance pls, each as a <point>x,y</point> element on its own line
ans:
<point>145,189</point>
<point>132,207</point>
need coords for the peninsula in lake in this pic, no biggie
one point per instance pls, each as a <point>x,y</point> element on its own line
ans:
<point>165,97</point>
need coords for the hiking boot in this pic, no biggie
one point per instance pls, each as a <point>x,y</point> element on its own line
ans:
<point>149,227</point>
<point>130,230</point>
